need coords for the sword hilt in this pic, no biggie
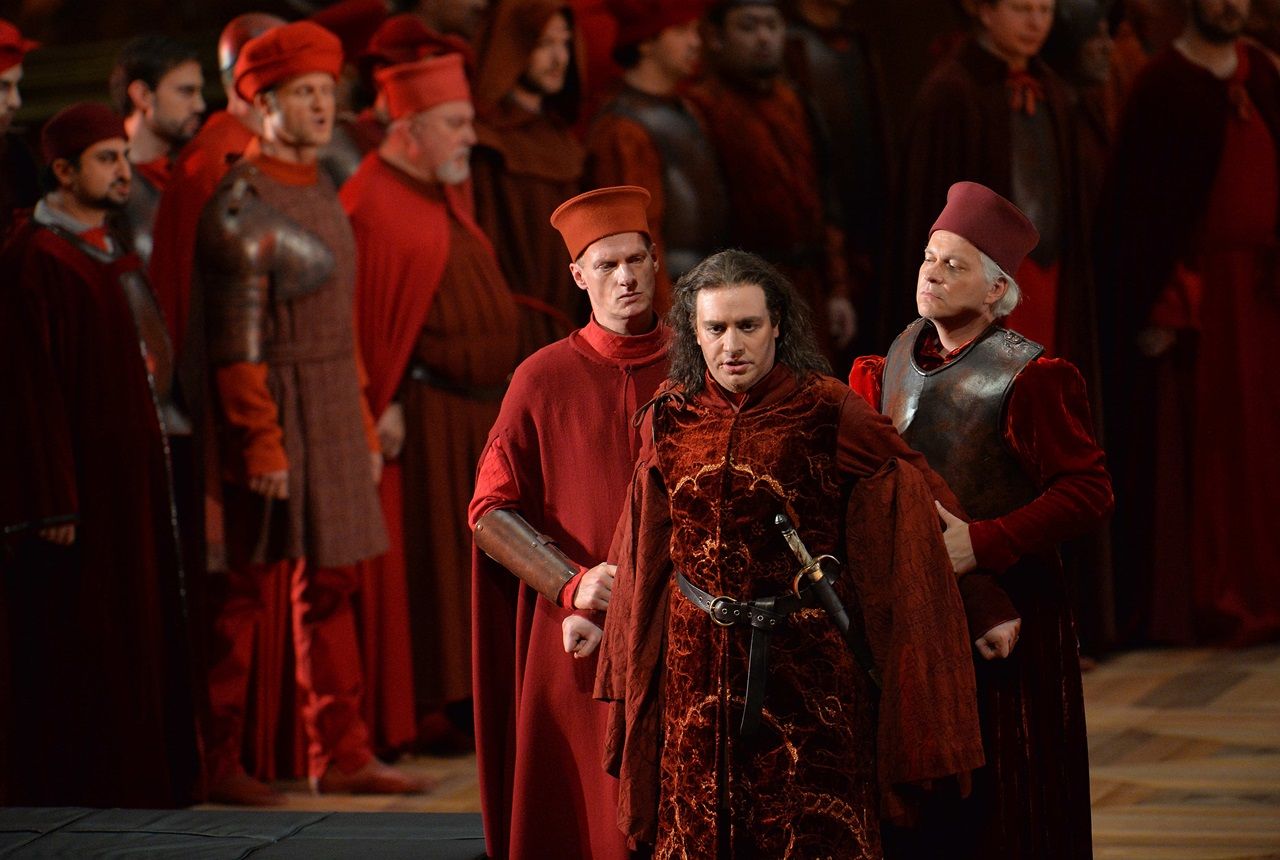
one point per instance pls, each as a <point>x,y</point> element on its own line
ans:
<point>810,567</point>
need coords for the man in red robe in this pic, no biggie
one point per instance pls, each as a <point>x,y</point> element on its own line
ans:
<point>649,135</point>
<point>297,453</point>
<point>1010,431</point>
<point>156,86</point>
<point>94,652</point>
<point>19,178</point>
<point>439,326</point>
<point>549,491</point>
<point>769,150</point>
<point>1188,251</point>
<point>743,721</point>
<point>526,160</point>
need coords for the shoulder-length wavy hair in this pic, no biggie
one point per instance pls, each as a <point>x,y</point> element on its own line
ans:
<point>797,347</point>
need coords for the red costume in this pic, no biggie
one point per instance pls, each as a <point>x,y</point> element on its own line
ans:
<point>535,719</point>
<point>1188,232</point>
<point>97,709</point>
<point>812,778</point>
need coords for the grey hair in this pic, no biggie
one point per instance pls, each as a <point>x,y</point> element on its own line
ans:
<point>993,273</point>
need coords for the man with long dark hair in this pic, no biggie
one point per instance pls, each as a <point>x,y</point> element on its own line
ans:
<point>728,740</point>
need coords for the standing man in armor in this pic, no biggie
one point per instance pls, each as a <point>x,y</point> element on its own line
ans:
<point>297,452</point>
<point>156,86</point>
<point>650,136</point>
<point>1009,429</point>
<point>93,629</point>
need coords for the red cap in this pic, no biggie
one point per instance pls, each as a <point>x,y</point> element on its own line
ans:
<point>404,38</point>
<point>12,46</point>
<point>639,20</point>
<point>74,129</point>
<point>604,212</point>
<point>286,52</point>
<point>994,225</point>
<point>353,21</point>
<point>421,85</point>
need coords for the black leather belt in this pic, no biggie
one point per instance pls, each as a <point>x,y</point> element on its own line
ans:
<point>765,615</point>
<point>424,375</point>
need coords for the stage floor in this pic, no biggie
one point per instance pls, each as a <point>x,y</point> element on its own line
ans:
<point>1184,750</point>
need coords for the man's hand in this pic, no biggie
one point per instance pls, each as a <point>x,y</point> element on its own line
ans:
<point>596,587</point>
<point>581,637</point>
<point>273,485</point>
<point>59,535</point>
<point>956,537</point>
<point>844,321</point>
<point>390,429</point>
<point>998,642</point>
<point>1155,341</point>
<point>375,466</point>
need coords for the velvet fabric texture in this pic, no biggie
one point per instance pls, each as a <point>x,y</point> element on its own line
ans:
<point>826,763</point>
<point>535,720</point>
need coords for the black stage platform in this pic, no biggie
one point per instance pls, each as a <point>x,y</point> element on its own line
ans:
<point>218,835</point>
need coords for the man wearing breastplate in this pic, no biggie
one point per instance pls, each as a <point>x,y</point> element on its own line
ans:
<point>93,629</point>
<point>649,135</point>
<point>1010,431</point>
<point>296,449</point>
<point>745,718</point>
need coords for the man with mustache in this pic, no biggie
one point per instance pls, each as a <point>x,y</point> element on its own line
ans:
<point>19,178</point>
<point>526,160</point>
<point>295,448</point>
<point>1190,298</point>
<point>156,86</point>
<point>92,582</point>
<point>439,331</point>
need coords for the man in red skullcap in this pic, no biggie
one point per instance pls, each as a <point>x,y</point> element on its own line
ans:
<point>296,454</point>
<point>98,707</point>
<point>19,179</point>
<point>649,135</point>
<point>439,328</point>
<point>550,486</point>
<point>527,161</point>
<point>743,722</point>
<point>1009,429</point>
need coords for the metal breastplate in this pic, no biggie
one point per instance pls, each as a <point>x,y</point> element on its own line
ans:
<point>954,415</point>
<point>695,222</point>
<point>138,218</point>
<point>1037,184</point>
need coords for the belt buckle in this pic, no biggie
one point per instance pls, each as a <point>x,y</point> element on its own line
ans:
<point>711,610</point>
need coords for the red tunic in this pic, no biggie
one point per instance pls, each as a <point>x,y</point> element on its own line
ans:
<point>1033,796</point>
<point>97,703</point>
<point>193,178</point>
<point>535,719</point>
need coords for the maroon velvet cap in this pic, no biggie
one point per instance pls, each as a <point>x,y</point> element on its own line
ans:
<point>639,20</point>
<point>74,129</point>
<point>994,225</point>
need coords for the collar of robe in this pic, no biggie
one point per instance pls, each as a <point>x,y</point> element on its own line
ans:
<point>630,348</point>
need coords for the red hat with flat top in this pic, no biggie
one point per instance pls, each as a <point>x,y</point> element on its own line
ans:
<point>12,46</point>
<point>286,52</point>
<point>992,224</point>
<point>74,129</point>
<point>604,212</point>
<point>421,85</point>
<point>639,20</point>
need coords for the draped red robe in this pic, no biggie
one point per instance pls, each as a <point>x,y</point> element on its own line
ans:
<point>536,723</point>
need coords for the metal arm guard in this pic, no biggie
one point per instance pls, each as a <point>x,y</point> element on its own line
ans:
<point>507,538</point>
<point>245,248</point>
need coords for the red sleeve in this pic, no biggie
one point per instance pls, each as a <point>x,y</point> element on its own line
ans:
<point>1049,430</point>
<point>866,379</point>
<point>247,405</point>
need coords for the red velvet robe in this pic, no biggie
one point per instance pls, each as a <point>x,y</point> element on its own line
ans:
<point>560,454</point>
<point>1032,799</point>
<point>1188,231</point>
<point>811,782</point>
<point>97,702</point>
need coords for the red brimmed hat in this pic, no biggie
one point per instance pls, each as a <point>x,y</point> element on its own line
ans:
<point>74,129</point>
<point>286,52</point>
<point>639,20</point>
<point>604,212</point>
<point>995,226</point>
<point>410,88</point>
<point>12,46</point>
